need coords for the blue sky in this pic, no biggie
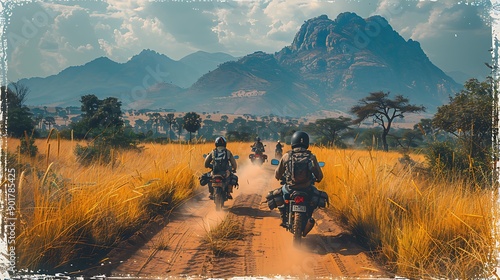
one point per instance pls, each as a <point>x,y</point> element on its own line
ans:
<point>43,37</point>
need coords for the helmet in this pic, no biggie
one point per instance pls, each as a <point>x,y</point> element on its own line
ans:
<point>257,139</point>
<point>300,139</point>
<point>278,141</point>
<point>220,141</point>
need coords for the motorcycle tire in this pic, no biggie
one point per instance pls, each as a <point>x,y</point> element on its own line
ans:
<point>218,199</point>
<point>297,228</point>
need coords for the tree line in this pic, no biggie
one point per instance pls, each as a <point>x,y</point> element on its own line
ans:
<point>458,137</point>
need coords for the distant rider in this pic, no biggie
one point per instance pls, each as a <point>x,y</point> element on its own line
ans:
<point>285,171</point>
<point>258,147</point>
<point>227,159</point>
<point>279,147</point>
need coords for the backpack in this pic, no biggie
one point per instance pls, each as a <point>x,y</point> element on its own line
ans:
<point>298,168</point>
<point>220,161</point>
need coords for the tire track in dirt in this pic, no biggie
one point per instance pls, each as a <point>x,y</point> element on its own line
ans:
<point>183,239</point>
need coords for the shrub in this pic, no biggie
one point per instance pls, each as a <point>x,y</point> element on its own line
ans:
<point>28,146</point>
<point>448,160</point>
<point>93,153</point>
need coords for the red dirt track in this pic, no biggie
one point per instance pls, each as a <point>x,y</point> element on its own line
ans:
<point>265,251</point>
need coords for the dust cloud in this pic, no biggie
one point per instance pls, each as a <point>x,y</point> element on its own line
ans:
<point>252,177</point>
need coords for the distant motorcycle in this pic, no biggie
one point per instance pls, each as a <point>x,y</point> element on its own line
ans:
<point>300,206</point>
<point>278,153</point>
<point>258,157</point>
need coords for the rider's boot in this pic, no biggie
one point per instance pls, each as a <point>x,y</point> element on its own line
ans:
<point>282,210</point>
<point>229,191</point>
<point>211,190</point>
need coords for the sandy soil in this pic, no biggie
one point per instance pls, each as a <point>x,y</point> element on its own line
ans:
<point>265,251</point>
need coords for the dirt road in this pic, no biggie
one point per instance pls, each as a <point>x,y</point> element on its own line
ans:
<point>265,250</point>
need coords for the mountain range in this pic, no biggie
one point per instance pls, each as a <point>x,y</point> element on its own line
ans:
<point>330,65</point>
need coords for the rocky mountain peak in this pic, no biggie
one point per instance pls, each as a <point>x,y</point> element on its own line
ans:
<point>311,34</point>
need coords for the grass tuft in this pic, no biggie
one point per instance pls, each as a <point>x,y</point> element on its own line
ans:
<point>219,238</point>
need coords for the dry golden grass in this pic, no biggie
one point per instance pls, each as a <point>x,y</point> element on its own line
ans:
<point>420,228</point>
<point>65,206</point>
<point>218,237</point>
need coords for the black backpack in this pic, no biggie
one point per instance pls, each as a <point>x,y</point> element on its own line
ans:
<point>220,161</point>
<point>298,168</point>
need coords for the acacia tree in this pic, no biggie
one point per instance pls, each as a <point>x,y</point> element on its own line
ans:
<point>192,122</point>
<point>384,110</point>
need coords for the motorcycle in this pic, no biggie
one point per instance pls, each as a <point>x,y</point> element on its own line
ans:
<point>258,157</point>
<point>299,206</point>
<point>222,186</point>
<point>278,153</point>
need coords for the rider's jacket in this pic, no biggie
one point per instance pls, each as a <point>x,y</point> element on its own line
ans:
<point>258,146</point>
<point>315,169</point>
<point>232,161</point>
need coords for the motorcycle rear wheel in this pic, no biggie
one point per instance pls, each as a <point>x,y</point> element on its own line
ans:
<point>218,199</point>
<point>297,228</point>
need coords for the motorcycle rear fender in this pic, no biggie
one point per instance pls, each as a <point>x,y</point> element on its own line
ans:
<point>299,193</point>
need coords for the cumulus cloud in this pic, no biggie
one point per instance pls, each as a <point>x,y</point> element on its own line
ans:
<point>73,33</point>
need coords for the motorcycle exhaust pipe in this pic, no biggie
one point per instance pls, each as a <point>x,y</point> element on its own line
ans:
<point>309,225</point>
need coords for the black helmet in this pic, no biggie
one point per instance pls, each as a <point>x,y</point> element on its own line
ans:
<point>257,139</point>
<point>220,141</point>
<point>300,139</point>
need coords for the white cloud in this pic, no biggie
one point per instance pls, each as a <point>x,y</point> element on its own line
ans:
<point>77,32</point>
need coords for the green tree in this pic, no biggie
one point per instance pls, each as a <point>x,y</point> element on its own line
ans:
<point>384,110</point>
<point>98,117</point>
<point>192,122</point>
<point>170,119</point>
<point>101,121</point>
<point>408,138</point>
<point>330,128</point>
<point>18,115</point>
<point>468,117</point>
<point>157,120</point>
<point>179,125</point>
<point>49,121</point>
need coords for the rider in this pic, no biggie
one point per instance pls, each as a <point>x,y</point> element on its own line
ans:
<point>220,147</point>
<point>300,145</point>
<point>258,147</point>
<point>279,147</point>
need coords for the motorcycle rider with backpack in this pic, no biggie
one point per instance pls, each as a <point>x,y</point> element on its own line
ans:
<point>258,147</point>
<point>222,162</point>
<point>298,169</point>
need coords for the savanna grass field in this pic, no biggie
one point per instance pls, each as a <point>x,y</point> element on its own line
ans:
<point>417,225</point>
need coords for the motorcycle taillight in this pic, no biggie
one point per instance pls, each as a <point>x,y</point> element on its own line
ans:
<point>218,180</point>
<point>299,199</point>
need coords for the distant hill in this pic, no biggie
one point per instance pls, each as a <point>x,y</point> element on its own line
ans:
<point>148,72</point>
<point>204,62</point>
<point>329,66</point>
